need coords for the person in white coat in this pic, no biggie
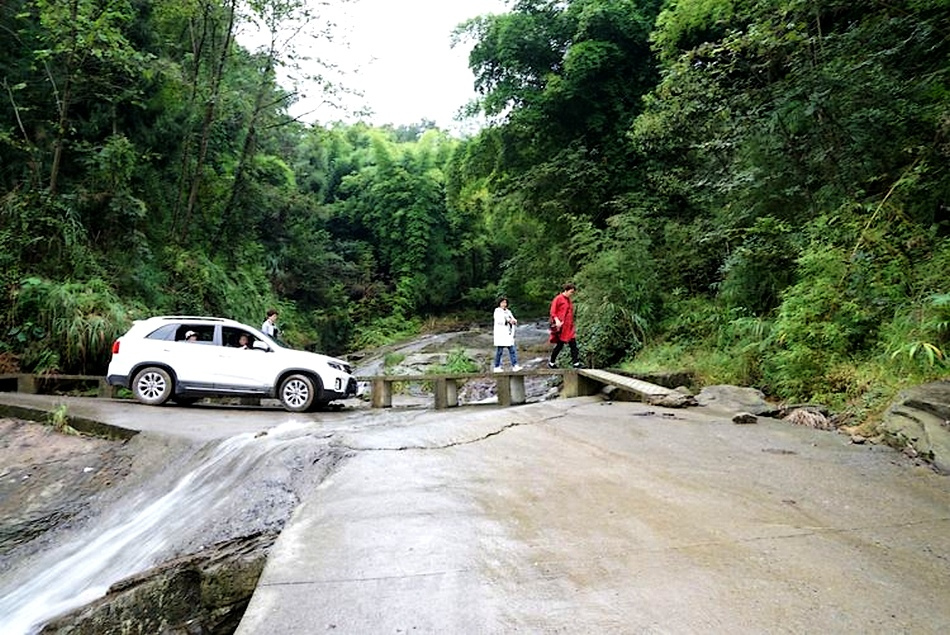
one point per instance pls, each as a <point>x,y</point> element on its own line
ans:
<point>504,335</point>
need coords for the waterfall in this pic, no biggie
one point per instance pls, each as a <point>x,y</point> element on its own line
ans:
<point>138,533</point>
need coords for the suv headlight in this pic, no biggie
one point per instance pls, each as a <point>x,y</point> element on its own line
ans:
<point>343,368</point>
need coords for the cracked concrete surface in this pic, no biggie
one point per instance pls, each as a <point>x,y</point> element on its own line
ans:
<point>430,446</point>
<point>582,516</point>
<point>578,516</point>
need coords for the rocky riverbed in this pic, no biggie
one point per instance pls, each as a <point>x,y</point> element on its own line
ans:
<point>474,344</point>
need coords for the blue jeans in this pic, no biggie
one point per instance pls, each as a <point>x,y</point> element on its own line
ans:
<point>512,355</point>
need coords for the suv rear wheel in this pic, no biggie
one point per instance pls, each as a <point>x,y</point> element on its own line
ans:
<point>299,392</point>
<point>152,386</point>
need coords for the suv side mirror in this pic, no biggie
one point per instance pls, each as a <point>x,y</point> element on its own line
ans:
<point>259,345</point>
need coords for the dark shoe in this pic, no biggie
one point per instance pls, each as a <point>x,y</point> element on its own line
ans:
<point>577,365</point>
<point>552,365</point>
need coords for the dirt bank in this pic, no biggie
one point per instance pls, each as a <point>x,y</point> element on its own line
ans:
<point>48,478</point>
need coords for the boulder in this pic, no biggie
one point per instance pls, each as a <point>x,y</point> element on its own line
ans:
<point>734,399</point>
<point>919,420</point>
<point>206,592</point>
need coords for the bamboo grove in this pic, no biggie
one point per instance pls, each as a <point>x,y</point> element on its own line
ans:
<point>754,190</point>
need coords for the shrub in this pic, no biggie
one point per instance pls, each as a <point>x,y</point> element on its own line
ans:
<point>691,319</point>
<point>456,362</point>
<point>760,268</point>
<point>66,326</point>
<point>393,359</point>
<point>618,295</point>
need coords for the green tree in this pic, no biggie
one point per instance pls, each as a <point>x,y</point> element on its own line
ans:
<point>84,51</point>
<point>563,82</point>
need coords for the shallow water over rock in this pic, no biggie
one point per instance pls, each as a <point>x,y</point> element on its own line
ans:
<point>216,492</point>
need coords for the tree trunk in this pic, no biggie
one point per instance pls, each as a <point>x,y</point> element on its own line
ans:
<point>208,120</point>
<point>247,152</point>
<point>62,125</point>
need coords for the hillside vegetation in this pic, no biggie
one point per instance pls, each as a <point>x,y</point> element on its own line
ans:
<point>756,190</point>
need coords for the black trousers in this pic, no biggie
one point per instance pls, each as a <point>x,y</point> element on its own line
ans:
<point>575,354</point>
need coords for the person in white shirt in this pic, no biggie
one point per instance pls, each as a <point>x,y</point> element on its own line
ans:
<point>269,327</point>
<point>504,335</point>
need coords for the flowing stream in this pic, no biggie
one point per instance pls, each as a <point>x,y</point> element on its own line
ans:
<point>136,533</point>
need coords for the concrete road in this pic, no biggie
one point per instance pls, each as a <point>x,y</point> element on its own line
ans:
<point>578,516</point>
<point>581,516</point>
<point>198,423</point>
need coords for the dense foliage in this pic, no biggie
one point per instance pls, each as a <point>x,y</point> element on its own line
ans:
<point>755,189</point>
<point>768,202</point>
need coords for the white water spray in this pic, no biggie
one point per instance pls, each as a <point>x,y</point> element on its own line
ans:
<point>130,540</point>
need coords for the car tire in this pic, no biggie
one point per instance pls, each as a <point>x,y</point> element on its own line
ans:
<point>152,386</point>
<point>299,392</point>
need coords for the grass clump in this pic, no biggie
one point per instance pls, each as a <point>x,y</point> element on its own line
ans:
<point>59,420</point>
<point>391,360</point>
<point>457,362</point>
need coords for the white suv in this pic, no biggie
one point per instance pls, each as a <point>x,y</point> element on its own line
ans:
<point>157,361</point>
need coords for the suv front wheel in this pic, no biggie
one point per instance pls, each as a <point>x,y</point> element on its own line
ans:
<point>152,386</point>
<point>298,393</point>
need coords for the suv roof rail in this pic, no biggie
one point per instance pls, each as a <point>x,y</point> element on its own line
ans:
<point>190,317</point>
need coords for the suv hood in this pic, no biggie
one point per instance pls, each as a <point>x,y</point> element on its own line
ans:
<point>306,358</point>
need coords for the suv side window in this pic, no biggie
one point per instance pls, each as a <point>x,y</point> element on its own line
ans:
<point>205,333</point>
<point>232,337</point>
<point>165,332</point>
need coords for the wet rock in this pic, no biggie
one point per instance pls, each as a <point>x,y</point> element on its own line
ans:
<point>918,422</point>
<point>477,391</point>
<point>672,400</point>
<point>203,593</point>
<point>46,479</point>
<point>745,418</point>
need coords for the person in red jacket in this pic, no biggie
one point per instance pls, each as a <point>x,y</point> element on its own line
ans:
<point>562,326</point>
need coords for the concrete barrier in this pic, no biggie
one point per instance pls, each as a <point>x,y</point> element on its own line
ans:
<point>509,386</point>
<point>47,383</point>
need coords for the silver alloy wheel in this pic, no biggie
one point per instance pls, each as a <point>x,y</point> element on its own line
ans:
<point>297,393</point>
<point>152,386</point>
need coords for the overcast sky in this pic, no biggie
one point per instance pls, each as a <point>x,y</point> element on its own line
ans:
<point>399,56</point>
